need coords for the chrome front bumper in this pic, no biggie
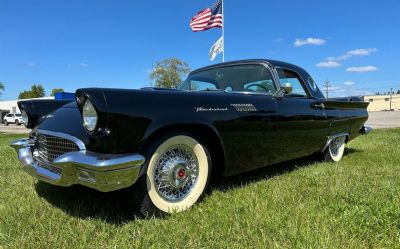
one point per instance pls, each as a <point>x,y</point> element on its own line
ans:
<point>99,171</point>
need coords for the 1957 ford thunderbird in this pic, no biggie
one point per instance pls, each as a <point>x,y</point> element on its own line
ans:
<point>223,119</point>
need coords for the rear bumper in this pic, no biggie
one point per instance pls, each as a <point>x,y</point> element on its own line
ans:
<point>99,171</point>
<point>365,130</point>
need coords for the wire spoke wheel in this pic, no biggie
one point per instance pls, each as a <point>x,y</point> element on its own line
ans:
<point>178,172</point>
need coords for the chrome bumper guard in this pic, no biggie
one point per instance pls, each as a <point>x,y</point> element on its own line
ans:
<point>365,130</point>
<point>99,171</point>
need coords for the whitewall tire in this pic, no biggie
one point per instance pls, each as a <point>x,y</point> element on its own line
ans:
<point>335,150</point>
<point>177,174</point>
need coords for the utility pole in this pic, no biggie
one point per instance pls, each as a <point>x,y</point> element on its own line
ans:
<point>327,85</point>
<point>391,92</point>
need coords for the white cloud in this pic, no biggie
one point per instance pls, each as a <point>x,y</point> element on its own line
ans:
<point>278,39</point>
<point>31,64</point>
<point>349,83</point>
<point>351,53</point>
<point>343,57</point>
<point>309,41</point>
<point>334,61</point>
<point>83,64</point>
<point>365,69</point>
<point>362,51</point>
<point>328,64</point>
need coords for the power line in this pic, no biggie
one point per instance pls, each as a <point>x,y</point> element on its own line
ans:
<point>327,85</point>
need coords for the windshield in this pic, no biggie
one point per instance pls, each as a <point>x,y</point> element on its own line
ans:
<point>237,78</point>
<point>18,115</point>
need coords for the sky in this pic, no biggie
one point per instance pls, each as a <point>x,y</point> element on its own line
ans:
<point>102,43</point>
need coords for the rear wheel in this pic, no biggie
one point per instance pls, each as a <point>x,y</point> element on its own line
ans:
<point>5,122</point>
<point>335,150</point>
<point>178,170</point>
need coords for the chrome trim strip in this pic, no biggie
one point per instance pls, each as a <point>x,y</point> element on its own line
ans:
<point>330,138</point>
<point>78,142</point>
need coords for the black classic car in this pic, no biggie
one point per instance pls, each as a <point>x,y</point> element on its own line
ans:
<point>222,120</point>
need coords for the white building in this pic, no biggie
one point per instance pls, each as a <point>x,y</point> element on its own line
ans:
<point>10,106</point>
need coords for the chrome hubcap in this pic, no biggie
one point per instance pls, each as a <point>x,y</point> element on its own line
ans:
<point>176,173</point>
<point>335,145</point>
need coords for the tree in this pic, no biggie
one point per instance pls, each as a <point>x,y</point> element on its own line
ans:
<point>56,90</point>
<point>168,73</point>
<point>37,91</point>
<point>1,88</point>
<point>398,91</point>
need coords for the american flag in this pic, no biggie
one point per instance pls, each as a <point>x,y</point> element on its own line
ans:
<point>208,18</point>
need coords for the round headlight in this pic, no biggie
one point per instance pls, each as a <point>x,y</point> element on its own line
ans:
<point>89,116</point>
<point>25,117</point>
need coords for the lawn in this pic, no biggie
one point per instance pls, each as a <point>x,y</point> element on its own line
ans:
<point>300,204</point>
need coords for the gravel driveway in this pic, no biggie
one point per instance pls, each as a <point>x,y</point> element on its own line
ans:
<point>379,120</point>
<point>12,128</point>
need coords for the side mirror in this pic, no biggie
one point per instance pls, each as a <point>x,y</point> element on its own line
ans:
<point>287,88</point>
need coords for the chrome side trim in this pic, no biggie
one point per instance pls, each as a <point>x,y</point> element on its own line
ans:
<point>78,142</point>
<point>330,138</point>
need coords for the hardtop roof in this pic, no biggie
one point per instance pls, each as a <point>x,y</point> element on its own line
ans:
<point>274,63</point>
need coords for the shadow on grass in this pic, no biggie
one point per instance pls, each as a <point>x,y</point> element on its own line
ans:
<point>269,172</point>
<point>115,207</point>
<point>118,207</point>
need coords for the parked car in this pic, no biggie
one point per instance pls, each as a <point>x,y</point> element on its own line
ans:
<point>12,118</point>
<point>223,119</point>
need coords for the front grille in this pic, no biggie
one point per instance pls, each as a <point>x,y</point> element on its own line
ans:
<point>49,148</point>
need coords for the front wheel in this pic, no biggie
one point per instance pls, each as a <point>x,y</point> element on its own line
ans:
<point>5,122</point>
<point>334,152</point>
<point>178,170</point>
<point>17,122</point>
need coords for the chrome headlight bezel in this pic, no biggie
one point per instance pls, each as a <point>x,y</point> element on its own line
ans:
<point>90,116</point>
<point>25,117</point>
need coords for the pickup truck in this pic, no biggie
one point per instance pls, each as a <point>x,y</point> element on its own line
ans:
<point>224,119</point>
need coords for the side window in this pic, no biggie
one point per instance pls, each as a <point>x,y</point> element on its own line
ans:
<point>235,78</point>
<point>201,86</point>
<point>291,78</point>
<point>262,86</point>
<point>252,78</point>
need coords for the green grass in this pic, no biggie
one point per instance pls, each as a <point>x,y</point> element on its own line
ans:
<point>300,204</point>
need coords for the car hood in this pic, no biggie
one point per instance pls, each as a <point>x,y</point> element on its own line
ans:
<point>67,120</point>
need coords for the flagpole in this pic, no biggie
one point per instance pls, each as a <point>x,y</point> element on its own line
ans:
<point>223,31</point>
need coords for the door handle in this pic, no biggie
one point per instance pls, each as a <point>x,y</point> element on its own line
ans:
<point>319,106</point>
